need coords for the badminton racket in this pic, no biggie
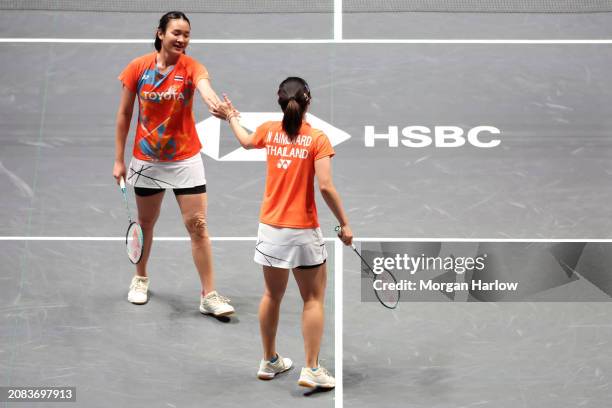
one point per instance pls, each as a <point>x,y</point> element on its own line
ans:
<point>134,238</point>
<point>385,281</point>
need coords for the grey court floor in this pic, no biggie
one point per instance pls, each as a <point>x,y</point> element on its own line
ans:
<point>63,315</point>
<point>66,321</point>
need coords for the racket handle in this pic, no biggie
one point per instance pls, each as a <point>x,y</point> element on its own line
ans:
<point>338,229</point>
<point>122,183</point>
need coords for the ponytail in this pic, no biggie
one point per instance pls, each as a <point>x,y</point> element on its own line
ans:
<point>294,98</point>
<point>292,119</point>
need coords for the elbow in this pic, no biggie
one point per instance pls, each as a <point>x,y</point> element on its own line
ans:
<point>326,188</point>
<point>246,141</point>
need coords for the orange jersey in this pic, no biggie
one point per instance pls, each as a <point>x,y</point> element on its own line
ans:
<point>289,200</point>
<point>166,127</point>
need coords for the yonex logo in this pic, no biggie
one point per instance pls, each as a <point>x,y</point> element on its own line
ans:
<point>209,132</point>
<point>283,164</point>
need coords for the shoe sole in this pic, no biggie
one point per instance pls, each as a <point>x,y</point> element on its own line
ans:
<point>312,384</point>
<point>137,303</point>
<point>270,376</point>
<point>265,376</point>
<point>231,312</point>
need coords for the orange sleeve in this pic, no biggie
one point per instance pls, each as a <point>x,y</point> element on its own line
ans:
<point>199,72</point>
<point>130,75</point>
<point>323,147</point>
<point>259,137</point>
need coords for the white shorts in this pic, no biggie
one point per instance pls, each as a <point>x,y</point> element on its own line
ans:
<point>178,174</point>
<point>289,248</point>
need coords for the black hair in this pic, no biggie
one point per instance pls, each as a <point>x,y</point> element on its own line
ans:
<point>293,98</point>
<point>163,24</point>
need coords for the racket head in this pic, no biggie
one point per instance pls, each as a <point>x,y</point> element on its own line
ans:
<point>389,298</point>
<point>134,242</point>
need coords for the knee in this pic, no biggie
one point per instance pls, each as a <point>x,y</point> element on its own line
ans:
<point>274,297</point>
<point>313,298</point>
<point>196,225</point>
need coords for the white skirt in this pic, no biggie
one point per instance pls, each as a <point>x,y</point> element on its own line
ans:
<point>178,174</point>
<point>289,248</point>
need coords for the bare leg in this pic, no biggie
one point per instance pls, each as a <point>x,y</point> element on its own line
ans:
<point>193,210</point>
<point>269,308</point>
<point>148,213</point>
<point>312,284</point>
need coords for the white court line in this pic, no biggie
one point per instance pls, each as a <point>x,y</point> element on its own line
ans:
<point>338,322</point>
<point>385,239</point>
<point>368,239</point>
<point>338,22</point>
<point>312,41</point>
<point>23,238</point>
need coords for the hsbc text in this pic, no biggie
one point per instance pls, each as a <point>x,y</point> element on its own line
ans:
<point>440,136</point>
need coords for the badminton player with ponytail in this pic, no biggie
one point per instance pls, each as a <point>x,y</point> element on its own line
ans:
<point>289,237</point>
<point>167,149</point>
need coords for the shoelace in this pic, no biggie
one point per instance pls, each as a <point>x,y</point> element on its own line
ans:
<point>323,370</point>
<point>140,285</point>
<point>218,297</point>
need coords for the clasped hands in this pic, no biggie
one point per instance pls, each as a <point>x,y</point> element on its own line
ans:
<point>224,110</point>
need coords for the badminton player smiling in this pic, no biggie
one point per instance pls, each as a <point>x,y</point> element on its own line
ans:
<point>289,236</point>
<point>167,149</point>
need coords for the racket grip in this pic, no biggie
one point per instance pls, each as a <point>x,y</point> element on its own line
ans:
<point>122,183</point>
<point>338,229</point>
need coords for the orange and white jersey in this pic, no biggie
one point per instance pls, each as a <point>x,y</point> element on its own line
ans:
<point>166,127</point>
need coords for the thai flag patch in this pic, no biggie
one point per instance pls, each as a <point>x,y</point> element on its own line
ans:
<point>178,78</point>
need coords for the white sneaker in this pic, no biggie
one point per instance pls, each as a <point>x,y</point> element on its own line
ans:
<point>318,378</point>
<point>215,304</point>
<point>139,288</point>
<point>267,369</point>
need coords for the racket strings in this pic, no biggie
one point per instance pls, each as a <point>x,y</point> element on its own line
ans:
<point>134,242</point>
<point>387,293</point>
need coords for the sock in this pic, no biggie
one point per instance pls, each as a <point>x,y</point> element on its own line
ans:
<point>273,359</point>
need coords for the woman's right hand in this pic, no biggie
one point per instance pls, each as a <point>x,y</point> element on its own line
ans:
<point>229,110</point>
<point>346,235</point>
<point>119,170</point>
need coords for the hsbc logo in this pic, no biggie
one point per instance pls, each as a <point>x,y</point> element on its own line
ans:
<point>209,132</point>
<point>440,136</point>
